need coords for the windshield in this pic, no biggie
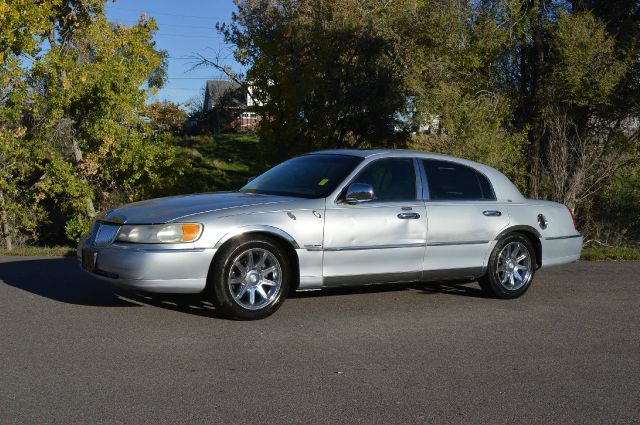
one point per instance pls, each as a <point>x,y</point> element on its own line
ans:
<point>309,176</point>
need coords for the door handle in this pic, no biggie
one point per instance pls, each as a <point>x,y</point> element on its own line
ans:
<point>492,213</point>
<point>408,216</point>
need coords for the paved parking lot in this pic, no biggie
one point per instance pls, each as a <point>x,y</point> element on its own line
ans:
<point>74,351</point>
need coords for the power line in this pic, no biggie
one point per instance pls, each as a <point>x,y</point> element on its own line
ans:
<point>131,21</point>
<point>164,34</point>
<point>182,88</point>
<point>197,57</point>
<point>189,78</point>
<point>164,14</point>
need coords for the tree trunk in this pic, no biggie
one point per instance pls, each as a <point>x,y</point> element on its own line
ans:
<point>536,59</point>
<point>77,158</point>
<point>5,225</point>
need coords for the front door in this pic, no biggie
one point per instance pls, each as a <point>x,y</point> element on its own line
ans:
<point>382,240</point>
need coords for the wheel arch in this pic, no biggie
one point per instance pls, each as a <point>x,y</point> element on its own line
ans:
<point>285,240</point>
<point>530,233</point>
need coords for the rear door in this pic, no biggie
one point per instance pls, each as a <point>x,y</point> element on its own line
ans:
<point>463,219</point>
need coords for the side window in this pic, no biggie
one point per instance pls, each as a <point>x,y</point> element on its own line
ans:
<point>392,179</point>
<point>485,186</point>
<point>450,181</point>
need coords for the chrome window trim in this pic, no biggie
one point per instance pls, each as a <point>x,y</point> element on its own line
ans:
<point>427,199</point>
<point>423,179</point>
<point>416,172</point>
<point>363,166</point>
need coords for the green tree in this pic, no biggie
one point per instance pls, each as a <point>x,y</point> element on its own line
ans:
<point>166,116</point>
<point>570,72</point>
<point>546,91</point>
<point>23,26</point>
<point>85,144</point>
<point>452,52</point>
<point>90,94</point>
<point>586,138</point>
<point>323,74</point>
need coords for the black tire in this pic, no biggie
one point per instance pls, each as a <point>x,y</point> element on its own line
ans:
<point>219,276</point>
<point>491,283</point>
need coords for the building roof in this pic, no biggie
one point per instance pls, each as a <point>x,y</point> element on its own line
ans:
<point>224,91</point>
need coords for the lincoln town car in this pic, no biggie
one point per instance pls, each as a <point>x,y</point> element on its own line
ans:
<point>333,218</point>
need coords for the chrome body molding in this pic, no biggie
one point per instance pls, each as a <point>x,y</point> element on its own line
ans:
<point>258,228</point>
<point>362,248</point>
<point>554,238</point>
<point>334,242</point>
<point>521,228</point>
<point>393,246</point>
<point>457,243</point>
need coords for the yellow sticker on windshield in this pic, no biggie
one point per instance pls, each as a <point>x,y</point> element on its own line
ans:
<point>323,182</point>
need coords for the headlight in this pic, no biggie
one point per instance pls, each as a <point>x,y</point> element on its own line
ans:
<point>159,233</point>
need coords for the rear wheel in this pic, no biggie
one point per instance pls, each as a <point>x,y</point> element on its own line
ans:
<point>250,278</point>
<point>511,267</point>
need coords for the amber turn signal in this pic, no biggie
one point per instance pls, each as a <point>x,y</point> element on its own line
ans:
<point>190,232</point>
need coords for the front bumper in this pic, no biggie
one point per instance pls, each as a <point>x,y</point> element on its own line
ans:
<point>150,269</point>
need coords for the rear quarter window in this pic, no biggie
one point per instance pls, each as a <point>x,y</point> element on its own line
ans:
<point>449,181</point>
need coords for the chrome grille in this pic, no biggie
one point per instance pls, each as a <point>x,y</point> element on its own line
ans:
<point>105,234</point>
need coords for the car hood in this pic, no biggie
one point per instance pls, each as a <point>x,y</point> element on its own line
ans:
<point>173,208</point>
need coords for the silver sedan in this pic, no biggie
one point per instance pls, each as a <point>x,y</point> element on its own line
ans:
<point>334,218</point>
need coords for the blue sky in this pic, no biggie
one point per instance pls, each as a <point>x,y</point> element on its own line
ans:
<point>186,27</point>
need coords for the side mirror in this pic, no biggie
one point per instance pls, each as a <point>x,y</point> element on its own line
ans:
<point>359,192</point>
<point>250,179</point>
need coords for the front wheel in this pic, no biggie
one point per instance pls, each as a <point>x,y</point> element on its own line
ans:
<point>512,265</point>
<point>250,278</point>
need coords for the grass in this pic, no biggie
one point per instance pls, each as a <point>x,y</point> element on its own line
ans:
<point>220,162</point>
<point>610,254</point>
<point>39,251</point>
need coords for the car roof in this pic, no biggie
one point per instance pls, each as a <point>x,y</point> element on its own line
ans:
<point>401,153</point>
<point>503,187</point>
<point>366,153</point>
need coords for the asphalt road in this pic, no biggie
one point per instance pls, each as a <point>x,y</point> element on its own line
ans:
<point>74,351</point>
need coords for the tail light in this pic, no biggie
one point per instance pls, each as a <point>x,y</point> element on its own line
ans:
<point>573,217</point>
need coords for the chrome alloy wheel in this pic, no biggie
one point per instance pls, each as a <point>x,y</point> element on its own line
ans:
<point>255,278</point>
<point>514,266</point>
